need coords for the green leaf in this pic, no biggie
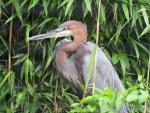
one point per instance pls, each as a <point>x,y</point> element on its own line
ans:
<point>10,73</point>
<point>10,18</point>
<point>135,47</point>
<point>32,4</point>
<point>143,96</point>
<point>115,59</point>
<point>143,47</point>
<point>18,9</point>
<point>88,4</point>
<point>146,30</point>
<point>133,96</point>
<point>69,4</point>
<point>4,42</point>
<point>48,62</point>
<point>31,90</point>
<point>91,108</point>
<point>20,98</point>
<point>145,16</point>
<point>45,5</point>
<point>45,21</point>
<point>19,55</point>
<point>21,59</point>
<point>125,10</point>
<point>63,3</point>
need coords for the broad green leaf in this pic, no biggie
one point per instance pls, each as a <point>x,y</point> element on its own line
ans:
<point>119,101</point>
<point>91,108</point>
<point>88,4</point>
<point>144,96</point>
<point>133,96</point>
<point>115,59</point>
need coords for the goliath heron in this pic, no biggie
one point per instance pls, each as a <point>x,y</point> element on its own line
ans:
<point>72,58</point>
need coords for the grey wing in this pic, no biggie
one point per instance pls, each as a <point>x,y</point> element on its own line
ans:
<point>70,71</point>
<point>106,75</point>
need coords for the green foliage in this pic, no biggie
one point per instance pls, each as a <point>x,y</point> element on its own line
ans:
<point>109,101</point>
<point>28,81</point>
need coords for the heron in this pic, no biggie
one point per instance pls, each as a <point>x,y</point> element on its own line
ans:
<point>72,59</point>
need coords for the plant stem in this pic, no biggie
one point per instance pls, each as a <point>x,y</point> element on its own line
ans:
<point>10,42</point>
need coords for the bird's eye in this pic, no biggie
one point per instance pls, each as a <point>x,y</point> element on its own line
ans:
<point>65,27</point>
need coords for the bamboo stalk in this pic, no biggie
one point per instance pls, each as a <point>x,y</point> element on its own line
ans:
<point>10,42</point>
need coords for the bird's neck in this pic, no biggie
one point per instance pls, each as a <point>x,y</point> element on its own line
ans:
<point>63,52</point>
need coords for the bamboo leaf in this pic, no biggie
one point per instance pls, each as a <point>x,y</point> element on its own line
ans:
<point>32,4</point>
<point>18,9</point>
<point>146,30</point>
<point>126,11</point>
<point>145,16</point>
<point>143,47</point>
<point>4,42</point>
<point>45,21</point>
<point>10,18</point>
<point>63,3</point>
<point>48,62</point>
<point>135,47</point>
<point>10,73</point>
<point>21,59</point>
<point>69,4</point>
<point>20,98</point>
<point>88,5</point>
<point>45,5</point>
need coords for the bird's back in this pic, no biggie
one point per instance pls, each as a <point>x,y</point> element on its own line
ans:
<point>106,76</point>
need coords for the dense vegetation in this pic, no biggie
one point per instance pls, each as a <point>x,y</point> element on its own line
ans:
<point>28,80</point>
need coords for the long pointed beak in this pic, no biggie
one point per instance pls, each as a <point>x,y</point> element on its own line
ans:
<point>59,32</point>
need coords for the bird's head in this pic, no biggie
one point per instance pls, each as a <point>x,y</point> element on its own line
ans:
<point>68,28</point>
